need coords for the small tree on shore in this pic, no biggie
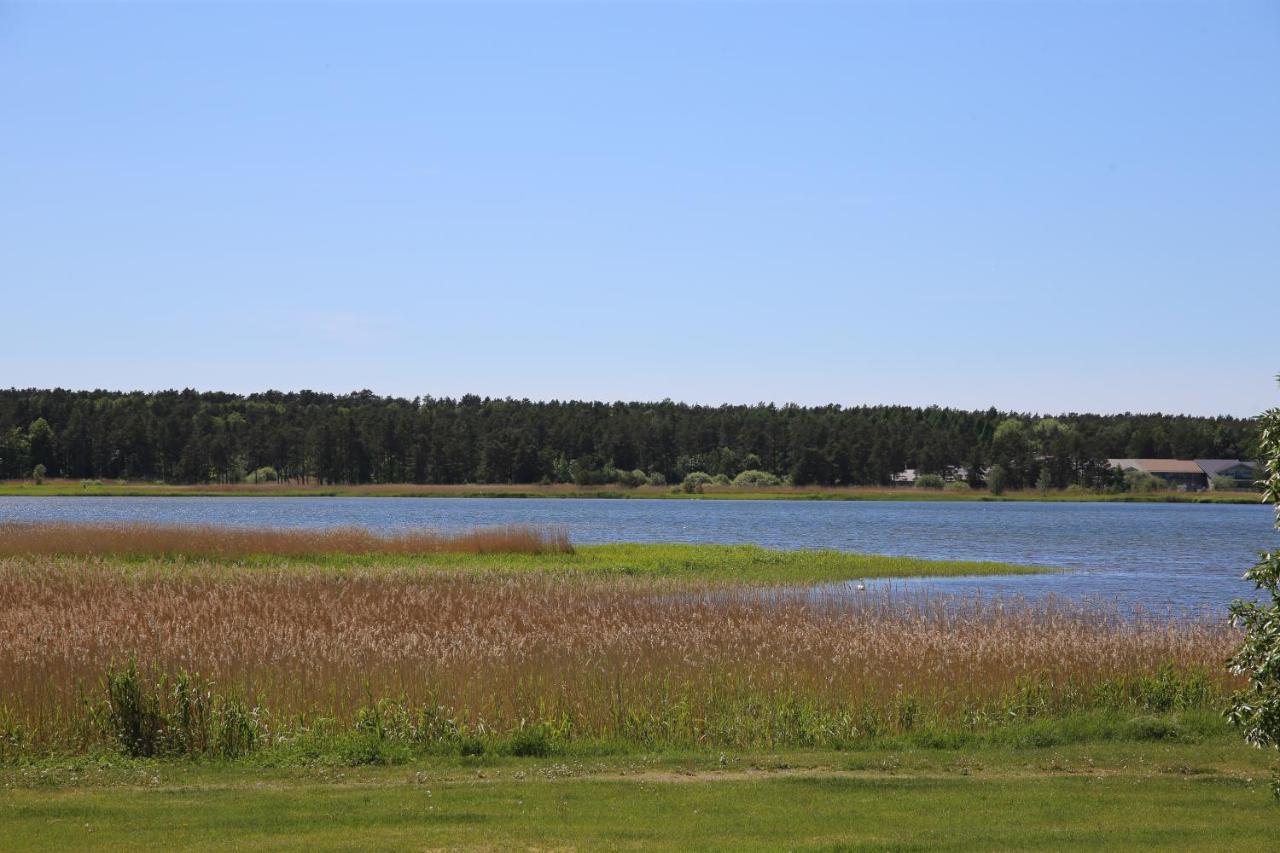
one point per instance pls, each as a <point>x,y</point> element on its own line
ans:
<point>1256,709</point>
<point>930,481</point>
<point>694,481</point>
<point>38,473</point>
<point>997,478</point>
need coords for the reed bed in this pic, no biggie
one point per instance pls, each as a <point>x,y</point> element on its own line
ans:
<point>142,540</point>
<point>440,657</point>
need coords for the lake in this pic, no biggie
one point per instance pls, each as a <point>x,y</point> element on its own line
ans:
<point>1180,557</point>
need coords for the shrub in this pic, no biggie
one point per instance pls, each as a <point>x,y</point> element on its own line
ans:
<point>584,474</point>
<point>1150,728</point>
<point>1221,482</point>
<point>720,480</point>
<point>532,741</point>
<point>754,477</point>
<point>38,474</point>
<point>657,478</point>
<point>632,479</point>
<point>1256,709</point>
<point>997,479</point>
<point>265,474</point>
<point>929,481</point>
<point>957,486</point>
<point>694,481</point>
<point>1141,481</point>
<point>470,745</point>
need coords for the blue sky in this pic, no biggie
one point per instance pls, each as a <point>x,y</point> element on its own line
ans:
<point>1037,206</point>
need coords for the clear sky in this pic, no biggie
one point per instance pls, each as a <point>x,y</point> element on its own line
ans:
<point>1038,206</point>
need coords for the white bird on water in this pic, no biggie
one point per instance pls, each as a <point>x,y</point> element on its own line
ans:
<point>861,587</point>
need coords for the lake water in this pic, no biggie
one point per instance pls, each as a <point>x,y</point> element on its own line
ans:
<point>1181,557</point>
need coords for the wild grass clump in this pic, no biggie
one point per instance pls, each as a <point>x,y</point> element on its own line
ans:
<point>174,715</point>
<point>150,540</point>
<point>375,665</point>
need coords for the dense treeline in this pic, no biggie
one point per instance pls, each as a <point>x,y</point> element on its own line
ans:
<point>191,437</point>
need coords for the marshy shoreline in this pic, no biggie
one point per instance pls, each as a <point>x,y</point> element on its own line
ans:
<point>281,646</point>
<point>159,684</point>
<point>74,488</point>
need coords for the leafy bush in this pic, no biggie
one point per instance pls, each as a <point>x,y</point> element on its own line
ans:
<point>657,478</point>
<point>997,479</point>
<point>1256,709</point>
<point>532,741</point>
<point>1141,481</point>
<point>470,745</point>
<point>585,473</point>
<point>1221,482</point>
<point>957,486</point>
<point>265,474</point>
<point>929,481</point>
<point>38,474</point>
<point>754,477</point>
<point>1150,728</point>
<point>694,481</point>
<point>632,479</point>
<point>720,480</point>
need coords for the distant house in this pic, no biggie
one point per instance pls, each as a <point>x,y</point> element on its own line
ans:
<point>1180,473</point>
<point>951,474</point>
<point>1244,473</point>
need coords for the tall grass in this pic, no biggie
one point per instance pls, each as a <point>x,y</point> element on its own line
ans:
<point>220,541</point>
<point>449,660</point>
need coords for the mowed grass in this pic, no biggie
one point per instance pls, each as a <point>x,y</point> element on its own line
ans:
<point>1173,796</point>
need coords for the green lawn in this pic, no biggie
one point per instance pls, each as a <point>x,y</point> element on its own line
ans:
<point>1117,795</point>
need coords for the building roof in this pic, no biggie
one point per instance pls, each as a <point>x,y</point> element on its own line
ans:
<point>1159,466</point>
<point>1217,466</point>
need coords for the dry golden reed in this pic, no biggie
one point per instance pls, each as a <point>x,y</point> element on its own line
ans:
<point>615,657</point>
<point>17,539</point>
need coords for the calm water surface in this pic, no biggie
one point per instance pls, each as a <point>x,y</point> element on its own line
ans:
<point>1184,557</point>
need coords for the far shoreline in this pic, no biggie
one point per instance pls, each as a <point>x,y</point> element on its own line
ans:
<point>76,488</point>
